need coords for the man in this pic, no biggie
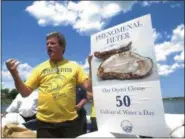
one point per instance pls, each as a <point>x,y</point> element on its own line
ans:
<point>56,80</point>
<point>81,100</point>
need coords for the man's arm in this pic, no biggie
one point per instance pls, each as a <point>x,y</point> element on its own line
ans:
<point>19,84</point>
<point>89,95</point>
<point>81,104</point>
<point>87,85</point>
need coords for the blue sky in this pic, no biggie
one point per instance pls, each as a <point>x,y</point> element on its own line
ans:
<point>26,23</point>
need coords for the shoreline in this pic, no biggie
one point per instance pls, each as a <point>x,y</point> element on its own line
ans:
<point>173,98</point>
<point>8,101</point>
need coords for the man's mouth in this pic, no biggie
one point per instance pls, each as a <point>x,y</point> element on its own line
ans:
<point>50,51</point>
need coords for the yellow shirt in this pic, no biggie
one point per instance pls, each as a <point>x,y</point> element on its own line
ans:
<point>93,112</point>
<point>57,97</point>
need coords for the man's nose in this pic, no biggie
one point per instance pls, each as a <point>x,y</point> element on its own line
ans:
<point>49,45</point>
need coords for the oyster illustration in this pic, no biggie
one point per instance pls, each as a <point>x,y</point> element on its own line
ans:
<point>104,54</point>
<point>126,65</point>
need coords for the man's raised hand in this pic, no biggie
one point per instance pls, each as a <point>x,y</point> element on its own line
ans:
<point>12,65</point>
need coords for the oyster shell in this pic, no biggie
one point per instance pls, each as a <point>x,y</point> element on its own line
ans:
<point>104,54</point>
<point>126,65</point>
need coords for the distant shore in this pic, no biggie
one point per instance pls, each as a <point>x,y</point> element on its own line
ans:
<point>8,101</point>
<point>174,98</point>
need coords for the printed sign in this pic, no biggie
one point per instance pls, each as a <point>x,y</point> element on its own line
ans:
<point>126,84</point>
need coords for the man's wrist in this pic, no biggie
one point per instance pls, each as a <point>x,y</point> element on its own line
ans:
<point>14,74</point>
<point>90,73</point>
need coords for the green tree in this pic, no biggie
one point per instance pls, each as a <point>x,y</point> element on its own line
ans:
<point>1,87</point>
<point>5,91</point>
<point>13,93</point>
<point>4,94</point>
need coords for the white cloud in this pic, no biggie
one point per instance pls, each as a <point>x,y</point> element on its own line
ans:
<point>85,66</point>
<point>24,71</point>
<point>179,58</point>
<point>178,34</point>
<point>175,5</point>
<point>6,76</point>
<point>156,35</point>
<point>111,10</point>
<point>165,70</point>
<point>175,44</point>
<point>84,16</point>
<point>148,3</point>
<point>85,20</point>
<point>51,13</point>
<point>166,48</point>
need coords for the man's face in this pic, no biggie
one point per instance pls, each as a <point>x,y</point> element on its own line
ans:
<point>54,49</point>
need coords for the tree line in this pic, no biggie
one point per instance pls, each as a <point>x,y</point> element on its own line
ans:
<point>8,94</point>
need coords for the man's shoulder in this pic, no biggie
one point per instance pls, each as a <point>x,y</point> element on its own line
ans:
<point>43,64</point>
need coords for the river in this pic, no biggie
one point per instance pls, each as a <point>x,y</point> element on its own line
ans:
<point>170,106</point>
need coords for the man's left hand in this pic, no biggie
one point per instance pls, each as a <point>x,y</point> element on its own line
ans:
<point>78,107</point>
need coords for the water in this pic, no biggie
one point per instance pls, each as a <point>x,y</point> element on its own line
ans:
<point>170,106</point>
<point>3,107</point>
<point>174,106</point>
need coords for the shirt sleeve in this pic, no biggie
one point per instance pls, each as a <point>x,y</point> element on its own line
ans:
<point>33,80</point>
<point>14,106</point>
<point>81,75</point>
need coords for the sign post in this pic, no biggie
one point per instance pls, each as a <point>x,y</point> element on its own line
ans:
<point>126,83</point>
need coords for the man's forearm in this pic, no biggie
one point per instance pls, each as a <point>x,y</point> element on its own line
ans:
<point>90,80</point>
<point>89,88</point>
<point>82,102</point>
<point>87,85</point>
<point>20,86</point>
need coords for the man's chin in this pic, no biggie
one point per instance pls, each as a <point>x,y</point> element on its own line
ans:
<point>52,57</point>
